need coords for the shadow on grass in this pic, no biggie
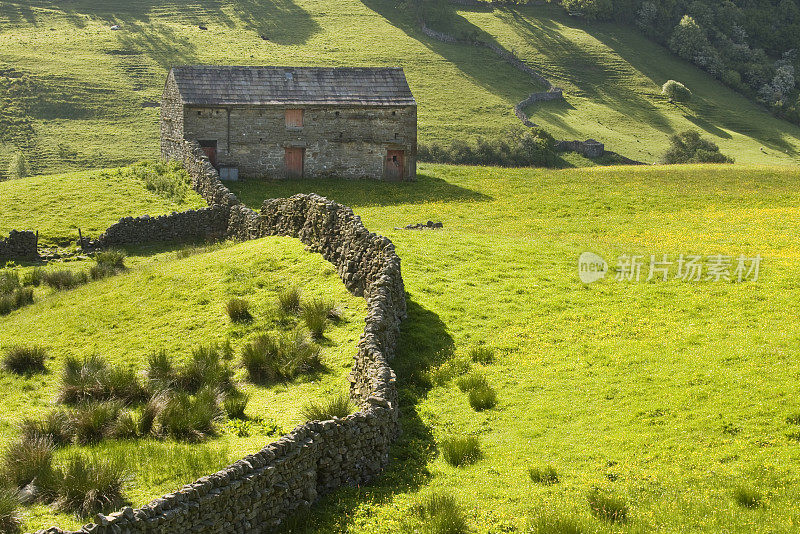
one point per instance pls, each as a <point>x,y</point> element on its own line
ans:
<point>358,193</point>
<point>424,342</point>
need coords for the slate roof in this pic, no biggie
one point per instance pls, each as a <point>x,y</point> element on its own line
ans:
<point>229,85</point>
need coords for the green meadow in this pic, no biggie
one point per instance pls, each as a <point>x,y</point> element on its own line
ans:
<point>671,395</point>
<point>96,91</point>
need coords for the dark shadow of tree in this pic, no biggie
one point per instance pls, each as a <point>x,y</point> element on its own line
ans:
<point>359,193</point>
<point>424,342</point>
<point>280,21</point>
<point>159,42</point>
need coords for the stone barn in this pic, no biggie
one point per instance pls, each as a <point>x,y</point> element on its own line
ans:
<point>293,122</point>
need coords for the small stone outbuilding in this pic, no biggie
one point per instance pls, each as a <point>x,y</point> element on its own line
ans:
<point>291,122</point>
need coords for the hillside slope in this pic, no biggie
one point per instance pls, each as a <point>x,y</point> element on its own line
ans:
<point>95,91</point>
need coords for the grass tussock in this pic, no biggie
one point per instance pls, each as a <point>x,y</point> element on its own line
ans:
<point>748,497</point>
<point>460,451</point>
<point>238,310</point>
<point>107,263</point>
<point>546,476</point>
<point>235,403</point>
<point>167,179</point>
<point>15,300</point>
<point>25,360</point>
<point>33,277</point>
<point>10,518</point>
<point>88,486</point>
<point>336,406</point>
<point>93,379</point>
<point>555,524</point>
<point>9,281</point>
<point>607,506</point>
<point>481,354</point>
<point>440,513</point>
<point>94,421</point>
<point>269,358</point>
<point>316,313</point>
<point>206,369</point>
<point>444,373</point>
<point>57,427</point>
<point>289,300</point>
<point>64,279</point>
<point>28,461</point>
<point>483,398</point>
<point>182,416</point>
<point>472,381</point>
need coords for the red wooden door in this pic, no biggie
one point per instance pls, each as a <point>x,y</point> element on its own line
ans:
<point>293,159</point>
<point>395,165</point>
<point>211,153</point>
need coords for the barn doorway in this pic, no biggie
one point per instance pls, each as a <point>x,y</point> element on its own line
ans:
<point>210,148</point>
<point>293,160</point>
<point>394,169</point>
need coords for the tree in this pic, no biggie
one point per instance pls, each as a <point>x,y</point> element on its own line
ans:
<point>689,40</point>
<point>676,91</point>
<point>18,168</point>
<point>689,147</point>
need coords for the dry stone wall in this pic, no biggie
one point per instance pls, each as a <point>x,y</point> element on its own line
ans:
<point>254,494</point>
<point>19,245</point>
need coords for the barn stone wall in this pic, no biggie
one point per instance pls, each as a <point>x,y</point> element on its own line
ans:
<point>254,494</point>
<point>339,141</point>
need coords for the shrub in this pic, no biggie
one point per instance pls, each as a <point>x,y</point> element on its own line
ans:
<point>10,520</point>
<point>793,419</point>
<point>748,497</point>
<point>56,427</point>
<point>33,277</point>
<point>689,147</point>
<point>482,398</point>
<point>94,421</point>
<point>676,91</point>
<point>289,300</point>
<point>107,263</point>
<point>607,506</point>
<point>93,379</point>
<point>482,354</point>
<point>29,461</point>
<point>188,417</point>
<point>235,404</point>
<point>441,514</point>
<point>545,476</point>
<point>269,358</point>
<point>337,406</point>
<point>553,524</point>
<point>472,381</point>
<point>315,314</point>
<point>238,310</point>
<point>18,166</point>
<point>64,279</point>
<point>461,450</point>
<point>87,486</point>
<point>25,360</point>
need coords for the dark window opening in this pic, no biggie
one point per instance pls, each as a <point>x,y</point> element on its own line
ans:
<point>394,113</point>
<point>199,113</point>
<point>395,136</point>
<point>394,159</point>
<point>337,113</point>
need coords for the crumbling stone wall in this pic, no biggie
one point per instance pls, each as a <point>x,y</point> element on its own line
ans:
<point>254,494</point>
<point>19,245</point>
<point>193,225</point>
<point>589,148</point>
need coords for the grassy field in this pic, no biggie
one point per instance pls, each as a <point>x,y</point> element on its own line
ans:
<point>178,304</point>
<point>671,395</point>
<point>96,90</point>
<point>56,206</point>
